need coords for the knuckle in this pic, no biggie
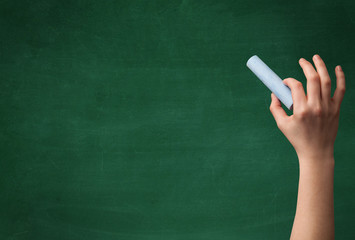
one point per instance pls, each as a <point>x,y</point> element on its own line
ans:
<point>327,83</point>
<point>280,124</point>
<point>335,111</point>
<point>314,77</point>
<point>318,111</point>
<point>342,90</point>
<point>289,79</point>
<point>298,85</point>
<point>302,113</point>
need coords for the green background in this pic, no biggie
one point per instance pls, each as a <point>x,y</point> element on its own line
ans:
<point>140,120</point>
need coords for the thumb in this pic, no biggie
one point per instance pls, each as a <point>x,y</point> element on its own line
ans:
<point>277,110</point>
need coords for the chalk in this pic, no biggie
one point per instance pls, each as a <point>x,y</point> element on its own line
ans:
<point>271,80</point>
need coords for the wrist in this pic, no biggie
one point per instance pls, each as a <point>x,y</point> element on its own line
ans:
<point>316,156</point>
<point>317,162</point>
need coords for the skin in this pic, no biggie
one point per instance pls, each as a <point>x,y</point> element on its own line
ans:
<point>312,131</point>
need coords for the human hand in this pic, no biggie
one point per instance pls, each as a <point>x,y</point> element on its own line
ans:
<point>313,126</point>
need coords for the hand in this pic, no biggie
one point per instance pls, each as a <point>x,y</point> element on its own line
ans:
<point>314,124</point>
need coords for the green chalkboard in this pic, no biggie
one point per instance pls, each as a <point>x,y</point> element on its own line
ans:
<point>140,120</point>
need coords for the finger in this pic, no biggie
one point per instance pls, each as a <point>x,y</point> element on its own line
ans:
<point>297,91</point>
<point>277,110</point>
<point>340,90</point>
<point>325,82</point>
<point>313,82</point>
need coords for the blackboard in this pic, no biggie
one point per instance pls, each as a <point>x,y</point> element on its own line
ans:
<point>140,120</point>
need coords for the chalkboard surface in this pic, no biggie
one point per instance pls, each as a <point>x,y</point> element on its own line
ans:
<point>140,120</point>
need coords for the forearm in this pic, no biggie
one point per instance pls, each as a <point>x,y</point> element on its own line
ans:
<point>315,204</point>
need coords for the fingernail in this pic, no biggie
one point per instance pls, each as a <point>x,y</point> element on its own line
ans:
<point>316,57</point>
<point>339,68</point>
<point>301,59</point>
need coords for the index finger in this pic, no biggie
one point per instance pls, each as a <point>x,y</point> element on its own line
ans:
<point>298,94</point>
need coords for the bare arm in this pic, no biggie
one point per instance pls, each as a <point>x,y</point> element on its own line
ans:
<point>312,131</point>
<point>315,213</point>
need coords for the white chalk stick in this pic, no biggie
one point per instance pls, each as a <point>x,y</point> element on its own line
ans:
<point>271,80</point>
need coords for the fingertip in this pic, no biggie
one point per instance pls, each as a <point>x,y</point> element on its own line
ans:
<point>316,57</point>
<point>339,72</point>
<point>275,101</point>
<point>286,81</point>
